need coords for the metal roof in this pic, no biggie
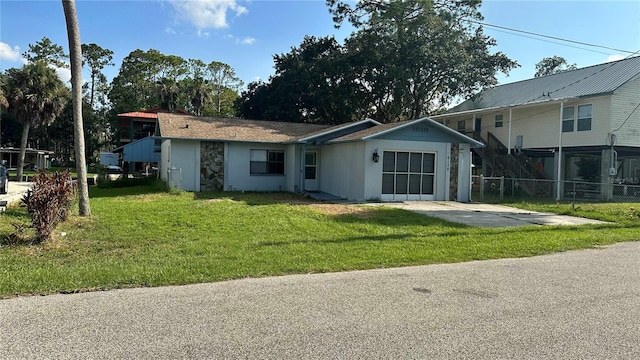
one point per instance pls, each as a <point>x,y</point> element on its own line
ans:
<point>589,81</point>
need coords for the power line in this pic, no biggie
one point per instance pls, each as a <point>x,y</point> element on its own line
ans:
<point>628,117</point>
<point>548,36</point>
<point>553,42</point>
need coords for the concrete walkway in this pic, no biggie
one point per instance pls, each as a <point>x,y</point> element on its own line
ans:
<point>574,305</point>
<point>487,215</point>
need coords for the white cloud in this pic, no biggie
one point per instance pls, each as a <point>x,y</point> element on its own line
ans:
<point>170,31</point>
<point>10,54</point>
<point>205,14</point>
<point>246,41</point>
<point>63,74</point>
<point>615,57</point>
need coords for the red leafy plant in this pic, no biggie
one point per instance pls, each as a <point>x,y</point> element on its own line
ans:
<point>49,201</point>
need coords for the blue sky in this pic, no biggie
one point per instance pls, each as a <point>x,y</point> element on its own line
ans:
<point>246,34</point>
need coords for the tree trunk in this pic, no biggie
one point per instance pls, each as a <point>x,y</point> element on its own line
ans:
<point>23,148</point>
<point>75,52</point>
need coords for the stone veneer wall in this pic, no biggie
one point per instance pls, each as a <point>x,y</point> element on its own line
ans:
<point>453,173</point>
<point>211,166</point>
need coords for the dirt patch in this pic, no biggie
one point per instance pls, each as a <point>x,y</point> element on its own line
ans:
<point>344,209</point>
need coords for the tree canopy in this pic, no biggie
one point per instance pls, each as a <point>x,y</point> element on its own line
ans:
<point>149,79</point>
<point>47,52</point>
<point>406,59</point>
<point>553,65</point>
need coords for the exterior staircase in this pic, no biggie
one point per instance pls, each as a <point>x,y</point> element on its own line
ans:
<point>497,160</point>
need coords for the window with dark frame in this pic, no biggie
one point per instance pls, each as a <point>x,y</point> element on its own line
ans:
<point>461,125</point>
<point>498,123</point>
<point>267,162</point>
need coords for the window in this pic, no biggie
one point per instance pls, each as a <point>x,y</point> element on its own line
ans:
<point>498,121</point>
<point>584,117</point>
<point>310,163</point>
<point>567,118</point>
<point>264,162</point>
<point>461,125</point>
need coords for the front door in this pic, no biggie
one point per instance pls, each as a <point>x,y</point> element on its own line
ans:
<point>311,171</point>
<point>408,175</point>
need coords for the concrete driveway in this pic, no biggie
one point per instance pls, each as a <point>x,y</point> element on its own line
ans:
<point>573,305</point>
<point>488,215</point>
<point>16,191</point>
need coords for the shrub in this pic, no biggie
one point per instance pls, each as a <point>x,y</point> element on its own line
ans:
<point>49,201</point>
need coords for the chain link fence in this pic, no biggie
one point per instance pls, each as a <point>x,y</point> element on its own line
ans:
<point>495,189</point>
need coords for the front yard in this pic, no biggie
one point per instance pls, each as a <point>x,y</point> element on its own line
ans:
<point>145,237</point>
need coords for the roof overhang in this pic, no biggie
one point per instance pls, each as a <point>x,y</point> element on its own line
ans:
<point>445,129</point>
<point>507,107</point>
<point>338,129</point>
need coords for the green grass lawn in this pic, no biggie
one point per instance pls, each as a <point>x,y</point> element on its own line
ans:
<point>139,236</point>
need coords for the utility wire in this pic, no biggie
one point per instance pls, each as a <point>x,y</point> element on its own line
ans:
<point>627,119</point>
<point>548,36</point>
<point>553,42</point>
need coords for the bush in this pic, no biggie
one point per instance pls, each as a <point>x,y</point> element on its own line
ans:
<point>49,201</point>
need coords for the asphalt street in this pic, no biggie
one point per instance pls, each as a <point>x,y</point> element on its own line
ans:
<point>574,305</point>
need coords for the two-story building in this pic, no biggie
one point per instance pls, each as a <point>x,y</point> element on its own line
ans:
<point>547,126</point>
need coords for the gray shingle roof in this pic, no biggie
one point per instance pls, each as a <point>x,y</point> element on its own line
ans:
<point>589,81</point>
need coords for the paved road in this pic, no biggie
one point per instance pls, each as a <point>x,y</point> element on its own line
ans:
<point>488,215</point>
<point>574,305</point>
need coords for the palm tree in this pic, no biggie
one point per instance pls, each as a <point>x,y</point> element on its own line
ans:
<point>75,50</point>
<point>167,91</point>
<point>200,95</point>
<point>36,97</point>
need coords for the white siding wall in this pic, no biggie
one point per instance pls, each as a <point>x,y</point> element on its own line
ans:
<point>185,155</point>
<point>464,173</point>
<point>237,168</point>
<point>342,170</point>
<point>164,158</point>
<point>539,125</point>
<point>623,103</point>
<point>292,167</point>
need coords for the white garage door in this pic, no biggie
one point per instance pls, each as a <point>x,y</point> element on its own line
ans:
<point>408,175</point>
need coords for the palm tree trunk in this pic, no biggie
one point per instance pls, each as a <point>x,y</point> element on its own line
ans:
<point>75,52</point>
<point>23,148</point>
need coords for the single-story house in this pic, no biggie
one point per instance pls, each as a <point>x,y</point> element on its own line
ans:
<point>36,158</point>
<point>554,121</point>
<point>412,160</point>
